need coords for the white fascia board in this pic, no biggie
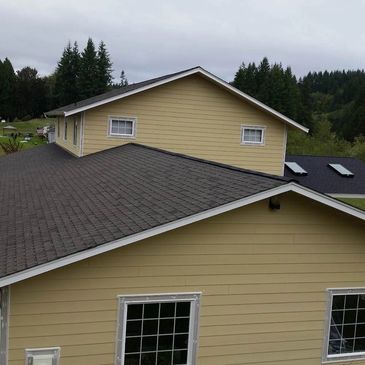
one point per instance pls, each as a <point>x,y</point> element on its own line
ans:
<point>208,75</point>
<point>43,268</point>
<point>353,196</point>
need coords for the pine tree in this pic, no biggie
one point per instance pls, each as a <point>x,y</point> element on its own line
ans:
<point>104,69</point>
<point>88,71</point>
<point>263,80</point>
<point>7,82</point>
<point>30,93</point>
<point>66,76</point>
<point>123,79</point>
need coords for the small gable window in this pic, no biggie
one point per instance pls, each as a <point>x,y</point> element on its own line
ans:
<point>345,332</point>
<point>254,135</point>
<point>122,127</point>
<point>158,329</point>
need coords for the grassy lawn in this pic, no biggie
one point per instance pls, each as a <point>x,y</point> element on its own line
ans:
<point>358,203</point>
<point>26,127</point>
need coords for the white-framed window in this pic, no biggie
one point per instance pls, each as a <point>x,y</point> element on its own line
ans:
<point>75,131</point>
<point>254,135</point>
<point>158,329</point>
<point>43,356</point>
<point>345,327</point>
<point>65,129</point>
<point>4,313</point>
<point>122,127</point>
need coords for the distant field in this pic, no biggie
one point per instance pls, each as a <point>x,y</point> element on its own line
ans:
<point>26,127</point>
<point>358,203</point>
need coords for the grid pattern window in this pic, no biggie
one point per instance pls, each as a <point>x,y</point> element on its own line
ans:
<point>346,327</point>
<point>253,135</point>
<point>75,132</point>
<point>122,127</point>
<point>158,330</point>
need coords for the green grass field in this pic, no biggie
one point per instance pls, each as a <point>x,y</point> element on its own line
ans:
<point>23,128</point>
<point>358,203</point>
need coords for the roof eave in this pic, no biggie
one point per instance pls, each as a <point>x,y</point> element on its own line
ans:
<point>290,187</point>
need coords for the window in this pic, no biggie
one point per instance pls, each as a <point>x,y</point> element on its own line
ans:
<point>158,329</point>
<point>4,303</point>
<point>58,128</point>
<point>252,135</point>
<point>345,337</point>
<point>122,127</point>
<point>65,130</point>
<point>75,132</point>
<point>45,356</point>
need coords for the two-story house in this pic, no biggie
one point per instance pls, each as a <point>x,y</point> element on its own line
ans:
<point>159,229</point>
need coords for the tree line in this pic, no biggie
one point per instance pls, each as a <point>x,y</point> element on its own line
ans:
<point>337,96</point>
<point>25,94</point>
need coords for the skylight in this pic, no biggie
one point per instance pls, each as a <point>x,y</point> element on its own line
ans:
<point>296,168</point>
<point>341,169</point>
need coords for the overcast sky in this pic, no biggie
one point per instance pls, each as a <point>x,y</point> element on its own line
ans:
<point>149,38</point>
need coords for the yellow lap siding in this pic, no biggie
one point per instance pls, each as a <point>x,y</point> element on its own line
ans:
<point>191,116</point>
<point>68,144</point>
<point>263,275</point>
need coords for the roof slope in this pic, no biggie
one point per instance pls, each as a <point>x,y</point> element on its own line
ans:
<point>148,84</point>
<point>323,178</point>
<point>54,204</point>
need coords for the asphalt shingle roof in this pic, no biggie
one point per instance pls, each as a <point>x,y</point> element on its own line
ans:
<point>323,178</point>
<point>54,204</point>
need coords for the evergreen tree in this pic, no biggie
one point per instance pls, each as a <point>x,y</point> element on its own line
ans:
<point>88,71</point>
<point>123,79</point>
<point>104,70</point>
<point>263,79</point>
<point>7,97</point>
<point>66,76</point>
<point>30,93</point>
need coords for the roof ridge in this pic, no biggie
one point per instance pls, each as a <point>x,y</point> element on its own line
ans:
<point>213,163</point>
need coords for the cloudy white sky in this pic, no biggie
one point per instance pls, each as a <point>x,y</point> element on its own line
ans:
<point>148,38</point>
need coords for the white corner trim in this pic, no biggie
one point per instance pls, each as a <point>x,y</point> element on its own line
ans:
<point>206,74</point>
<point>294,187</point>
<point>285,141</point>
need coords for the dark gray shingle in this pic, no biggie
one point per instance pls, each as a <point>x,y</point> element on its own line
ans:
<point>54,204</point>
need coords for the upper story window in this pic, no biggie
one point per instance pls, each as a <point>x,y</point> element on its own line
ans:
<point>158,329</point>
<point>122,127</point>
<point>254,135</point>
<point>345,332</point>
<point>65,130</point>
<point>75,132</point>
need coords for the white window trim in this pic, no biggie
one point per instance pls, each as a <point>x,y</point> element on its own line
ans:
<point>4,337</point>
<point>43,353</point>
<point>124,300</point>
<point>117,135</point>
<point>258,127</point>
<point>338,357</point>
